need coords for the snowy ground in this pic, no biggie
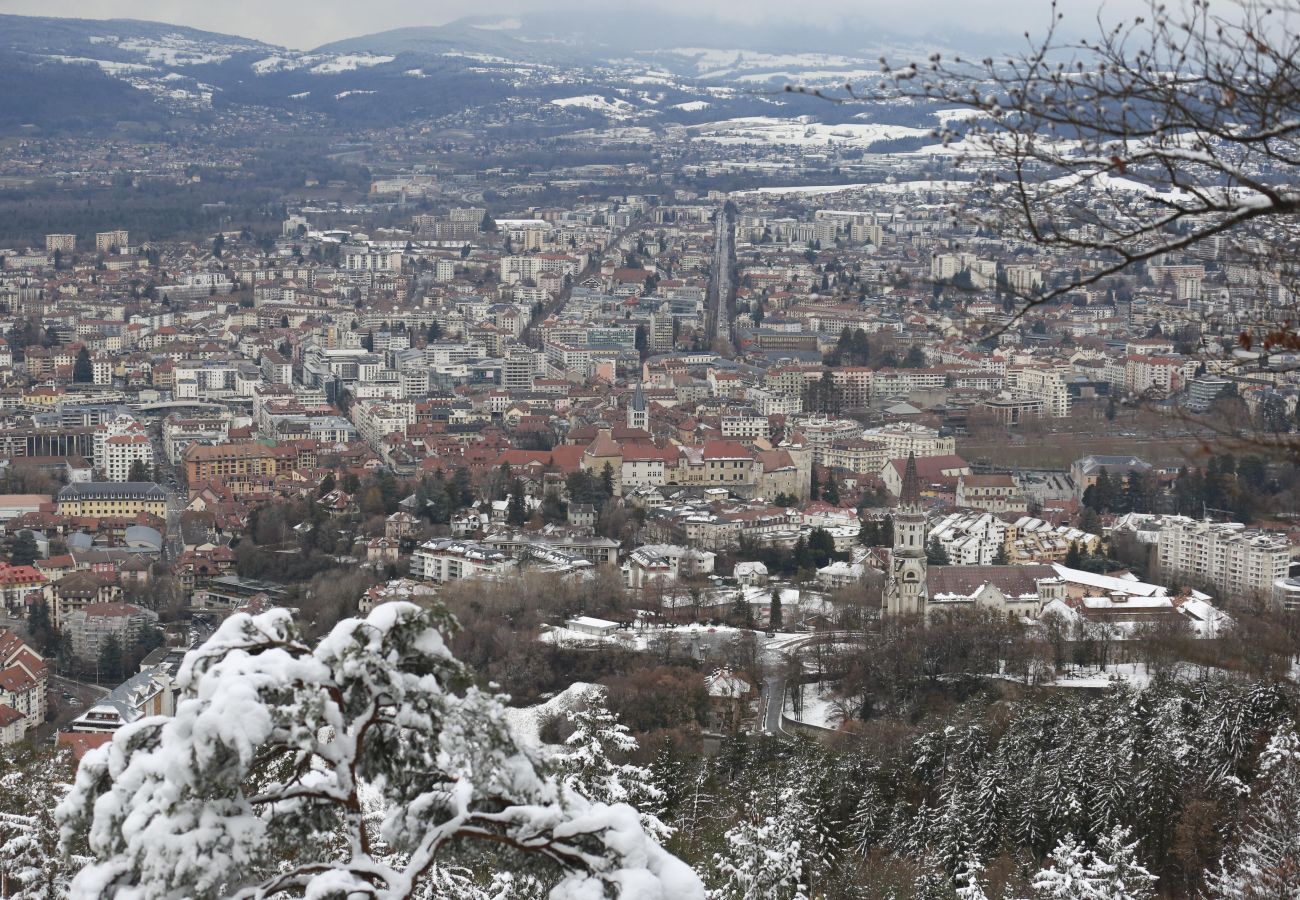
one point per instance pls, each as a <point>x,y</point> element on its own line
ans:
<point>818,705</point>
<point>527,721</point>
<point>800,133</point>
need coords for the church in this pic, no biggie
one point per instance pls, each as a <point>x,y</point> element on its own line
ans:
<point>914,588</point>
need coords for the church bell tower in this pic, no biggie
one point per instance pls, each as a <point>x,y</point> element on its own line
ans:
<point>905,589</point>
<point>638,411</point>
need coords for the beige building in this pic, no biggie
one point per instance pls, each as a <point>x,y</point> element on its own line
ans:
<point>116,499</point>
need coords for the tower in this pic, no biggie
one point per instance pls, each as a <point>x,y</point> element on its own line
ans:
<point>905,589</point>
<point>638,413</point>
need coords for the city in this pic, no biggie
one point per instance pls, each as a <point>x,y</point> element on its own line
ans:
<point>736,469</point>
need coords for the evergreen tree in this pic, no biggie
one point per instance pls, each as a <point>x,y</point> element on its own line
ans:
<point>553,508</point>
<point>1263,861</point>
<point>351,767</point>
<point>31,866</point>
<point>774,620</point>
<point>328,483</point>
<point>83,370</point>
<point>587,764</point>
<point>1073,556</point>
<point>831,492</point>
<point>23,550</point>
<point>935,553</point>
<point>139,471</point>
<point>110,659</point>
<point>887,532</point>
<point>1117,872</point>
<point>968,883</point>
<point>516,508</point>
<point>1000,558</point>
<point>814,489</point>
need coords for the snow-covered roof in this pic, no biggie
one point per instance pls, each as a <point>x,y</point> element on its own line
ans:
<point>1118,585</point>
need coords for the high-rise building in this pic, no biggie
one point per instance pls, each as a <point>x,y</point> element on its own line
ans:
<point>1239,563</point>
<point>64,243</point>
<point>518,370</point>
<point>108,241</point>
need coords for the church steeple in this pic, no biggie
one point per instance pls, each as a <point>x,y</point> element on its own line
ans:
<point>910,496</point>
<point>638,413</point>
<point>905,591</point>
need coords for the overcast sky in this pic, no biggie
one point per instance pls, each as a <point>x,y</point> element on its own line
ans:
<point>307,25</point>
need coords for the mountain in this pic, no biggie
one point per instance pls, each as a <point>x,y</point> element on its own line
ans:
<point>539,70</point>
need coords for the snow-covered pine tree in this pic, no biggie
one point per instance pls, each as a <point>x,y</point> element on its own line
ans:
<point>31,867</point>
<point>1069,875</point>
<point>1265,862</point>
<point>586,765</point>
<point>968,879</point>
<point>869,815</point>
<point>1111,872</point>
<point>1118,874</point>
<point>762,859</point>
<point>182,806</point>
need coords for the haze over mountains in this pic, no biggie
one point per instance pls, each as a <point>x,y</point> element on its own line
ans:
<point>650,70</point>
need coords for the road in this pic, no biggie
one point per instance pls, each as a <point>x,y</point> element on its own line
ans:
<point>63,711</point>
<point>722,286</point>
<point>166,475</point>
<point>774,657</point>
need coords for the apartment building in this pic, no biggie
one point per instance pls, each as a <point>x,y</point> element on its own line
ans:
<point>452,560</point>
<point>905,438</point>
<point>116,455</point>
<point>90,627</point>
<point>110,241</point>
<point>1239,563</point>
<point>243,467</point>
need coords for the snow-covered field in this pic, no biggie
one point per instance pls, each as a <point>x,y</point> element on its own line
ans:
<point>350,63</point>
<point>597,102</point>
<point>800,132</point>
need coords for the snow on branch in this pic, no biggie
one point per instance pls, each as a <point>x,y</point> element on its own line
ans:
<point>353,768</point>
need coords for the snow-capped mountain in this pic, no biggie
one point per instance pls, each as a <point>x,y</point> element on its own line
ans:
<point>560,70</point>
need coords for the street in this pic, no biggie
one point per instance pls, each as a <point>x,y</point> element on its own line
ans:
<point>62,711</point>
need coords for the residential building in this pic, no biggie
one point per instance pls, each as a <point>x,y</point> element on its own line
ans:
<point>1237,562</point>
<point>452,560</point>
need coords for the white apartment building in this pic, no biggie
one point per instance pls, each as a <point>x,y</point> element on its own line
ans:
<point>370,261</point>
<point>515,269</point>
<point>376,419</point>
<point>1041,382</point>
<point>179,432</point>
<point>970,539</point>
<point>452,560</point>
<point>120,452</point>
<point>108,241</point>
<point>1239,563</point>
<point>119,443</point>
<point>748,428</point>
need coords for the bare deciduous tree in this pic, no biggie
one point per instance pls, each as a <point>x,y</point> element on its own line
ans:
<point>1166,132</point>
